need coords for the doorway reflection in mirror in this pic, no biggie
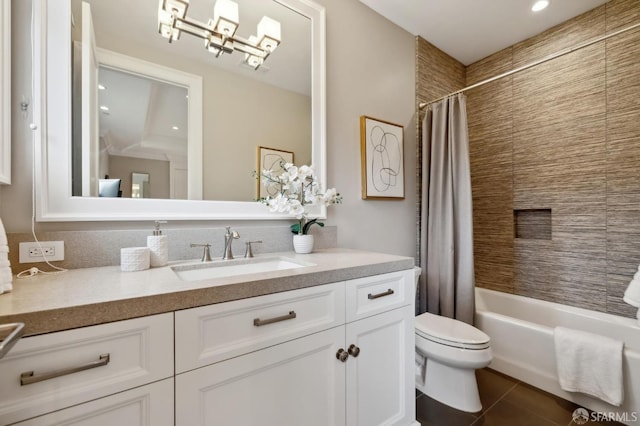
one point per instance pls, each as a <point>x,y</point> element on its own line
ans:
<point>140,185</point>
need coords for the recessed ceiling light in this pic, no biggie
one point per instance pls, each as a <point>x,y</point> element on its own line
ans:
<point>104,108</point>
<point>101,87</point>
<point>176,128</point>
<point>539,5</point>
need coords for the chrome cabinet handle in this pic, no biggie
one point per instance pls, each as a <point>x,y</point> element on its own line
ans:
<point>258,322</point>
<point>28,377</point>
<point>354,351</point>
<point>342,355</point>
<point>16,330</point>
<point>385,293</point>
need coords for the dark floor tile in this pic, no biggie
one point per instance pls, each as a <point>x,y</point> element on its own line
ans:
<point>430,412</point>
<point>493,386</point>
<point>504,413</point>
<point>547,405</point>
<point>544,404</point>
<point>505,401</point>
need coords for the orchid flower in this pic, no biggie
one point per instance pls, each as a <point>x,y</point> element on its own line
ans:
<point>295,189</point>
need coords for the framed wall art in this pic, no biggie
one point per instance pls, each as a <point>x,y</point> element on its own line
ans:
<point>270,159</point>
<point>382,155</point>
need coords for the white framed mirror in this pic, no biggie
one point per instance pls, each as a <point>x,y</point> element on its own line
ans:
<point>5,91</point>
<point>53,95</point>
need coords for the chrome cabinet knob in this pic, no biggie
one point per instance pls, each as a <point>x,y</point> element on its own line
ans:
<point>354,351</point>
<point>342,355</point>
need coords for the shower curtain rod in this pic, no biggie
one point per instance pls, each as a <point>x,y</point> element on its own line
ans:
<point>533,64</point>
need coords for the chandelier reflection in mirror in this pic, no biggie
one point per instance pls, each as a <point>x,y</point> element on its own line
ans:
<point>219,33</point>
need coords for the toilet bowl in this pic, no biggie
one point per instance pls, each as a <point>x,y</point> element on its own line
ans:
<point>453,350</point>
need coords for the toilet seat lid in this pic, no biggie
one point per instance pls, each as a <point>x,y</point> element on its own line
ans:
<point>450,331</point>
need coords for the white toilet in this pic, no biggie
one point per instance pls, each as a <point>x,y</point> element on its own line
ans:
<point>453,351</point>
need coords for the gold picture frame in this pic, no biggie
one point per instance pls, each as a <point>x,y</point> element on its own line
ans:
<point>382,159</point>
<point>270,159</point>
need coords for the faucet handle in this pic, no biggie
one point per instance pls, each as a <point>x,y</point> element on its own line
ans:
<point>206,254</point>
<point>248,252</point>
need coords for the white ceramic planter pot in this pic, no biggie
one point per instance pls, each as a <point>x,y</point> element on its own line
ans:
<point>303,243</point>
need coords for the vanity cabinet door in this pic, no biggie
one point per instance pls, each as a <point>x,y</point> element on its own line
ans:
<point>300,382</point>
<point>150,405</point>
<point>380,378</point>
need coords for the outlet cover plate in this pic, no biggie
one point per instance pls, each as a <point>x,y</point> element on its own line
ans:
<point>30,252</point>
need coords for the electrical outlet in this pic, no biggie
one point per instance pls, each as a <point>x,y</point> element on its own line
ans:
<point>33,252</point>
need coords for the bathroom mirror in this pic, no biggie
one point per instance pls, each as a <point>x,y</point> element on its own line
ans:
<point>53,172</point>
<point>5,91</point>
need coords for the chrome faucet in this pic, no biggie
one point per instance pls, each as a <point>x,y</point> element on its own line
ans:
<point>228,239</point>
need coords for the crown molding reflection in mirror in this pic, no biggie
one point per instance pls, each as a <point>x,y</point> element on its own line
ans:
<point>52,114</point>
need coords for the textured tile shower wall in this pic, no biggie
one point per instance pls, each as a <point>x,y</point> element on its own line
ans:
<point>437,74</point>
<point>564,136</point>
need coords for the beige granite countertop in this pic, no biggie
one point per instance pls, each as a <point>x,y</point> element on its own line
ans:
<point>83,297</point>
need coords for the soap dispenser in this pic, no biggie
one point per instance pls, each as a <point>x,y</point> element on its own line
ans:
<point>158,246</point>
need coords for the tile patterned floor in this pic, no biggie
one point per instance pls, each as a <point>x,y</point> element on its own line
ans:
<point>505,402</point>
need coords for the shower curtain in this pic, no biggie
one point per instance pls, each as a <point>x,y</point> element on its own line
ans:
<point>446,231</point>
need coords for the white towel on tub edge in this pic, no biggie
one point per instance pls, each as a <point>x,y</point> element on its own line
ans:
<point>589,363</point>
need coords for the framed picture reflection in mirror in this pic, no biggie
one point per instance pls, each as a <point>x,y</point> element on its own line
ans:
<point>270,159</point>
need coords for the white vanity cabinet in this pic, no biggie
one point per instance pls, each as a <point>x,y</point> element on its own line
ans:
<point>332,354</point>
<point>55,371</point>
<point>335,354</point>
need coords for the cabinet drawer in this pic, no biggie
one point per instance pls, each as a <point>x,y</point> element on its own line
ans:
<point>149,405</point>
<point>71,367</point>
<point>372,295</point>
<point>214,333</point>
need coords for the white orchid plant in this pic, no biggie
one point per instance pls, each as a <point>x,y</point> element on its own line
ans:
<point>295,189</point>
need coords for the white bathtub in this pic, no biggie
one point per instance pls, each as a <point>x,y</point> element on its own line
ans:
<point>521,331</point>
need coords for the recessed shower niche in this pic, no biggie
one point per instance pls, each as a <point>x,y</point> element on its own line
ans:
<point>532,224</point>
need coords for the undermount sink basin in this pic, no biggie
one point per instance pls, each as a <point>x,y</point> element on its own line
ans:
<point>230,268</point>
